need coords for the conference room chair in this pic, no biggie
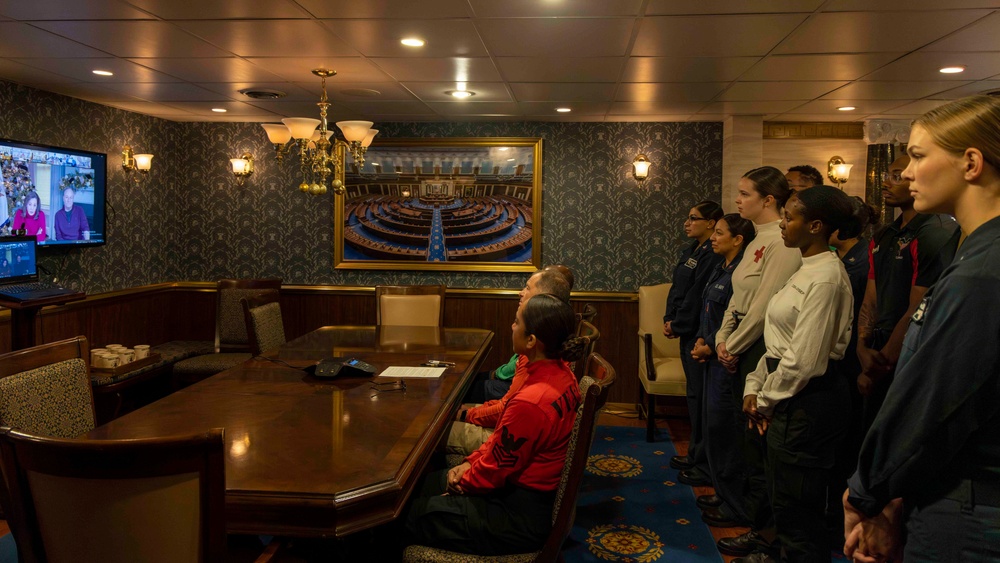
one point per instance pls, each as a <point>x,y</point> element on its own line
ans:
<point>586,330</point>
<point>589,312</point>
<point>115,501</point>
<point>231,343</point>
<point>45,389</point>
<point>594,394</point>
<point>265,328</point>
<point>412,305</point>
<point>660,369</point>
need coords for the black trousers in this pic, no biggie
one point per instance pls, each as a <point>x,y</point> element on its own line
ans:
<point>694,373</point>
<point>802,442</point>
<point>754,449</point>
<point>512,520</point>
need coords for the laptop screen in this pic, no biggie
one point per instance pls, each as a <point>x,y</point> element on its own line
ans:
<point>17,259</point>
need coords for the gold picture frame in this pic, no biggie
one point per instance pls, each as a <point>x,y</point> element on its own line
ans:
<point>452,204</point>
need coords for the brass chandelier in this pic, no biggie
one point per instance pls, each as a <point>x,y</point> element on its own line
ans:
<point>320,154</point>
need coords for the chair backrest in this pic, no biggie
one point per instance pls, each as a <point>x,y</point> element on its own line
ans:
<point>589,312</point>
<point>230,327</point>
<point>412,305</point>
<point>46,389</point>
<point>265,328</point>
<point>151,500</point>
<point>594,393</point>
<point>652,303</point>
<point>589,331</point>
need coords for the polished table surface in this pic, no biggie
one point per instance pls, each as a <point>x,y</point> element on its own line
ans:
<point>321,458</point>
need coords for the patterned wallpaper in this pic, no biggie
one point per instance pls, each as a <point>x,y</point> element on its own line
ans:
<point>189,221</point>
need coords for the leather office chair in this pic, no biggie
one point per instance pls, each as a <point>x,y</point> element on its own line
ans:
<point>265,329</point>
<point>231,344</point>
<point>412,305</point>
<point>660,369</point>
<point>110,501</point>
<point>45,389</point>
<point>594,392</point>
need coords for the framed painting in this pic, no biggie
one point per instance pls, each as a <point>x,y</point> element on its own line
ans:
<point>462,204</point>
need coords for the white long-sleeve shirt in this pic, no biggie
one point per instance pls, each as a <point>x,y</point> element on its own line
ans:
<point>808,323</point>
<point>767,264</point>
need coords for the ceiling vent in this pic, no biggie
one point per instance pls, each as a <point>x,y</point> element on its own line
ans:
<point>263,94</point>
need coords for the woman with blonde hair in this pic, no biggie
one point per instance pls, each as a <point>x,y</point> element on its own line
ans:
<point>931,460</point>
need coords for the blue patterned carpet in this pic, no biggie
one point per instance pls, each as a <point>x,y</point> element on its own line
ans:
<point>632,509</point>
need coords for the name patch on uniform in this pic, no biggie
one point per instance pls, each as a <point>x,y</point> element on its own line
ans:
<point>691,263</point>
<point>918,315</point>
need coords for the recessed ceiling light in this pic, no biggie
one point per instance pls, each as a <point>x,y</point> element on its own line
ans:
<point>511,159</point>
<point>952,69</point>
<point>103,72</point>
<point>563,110</point>
<point>461,93</point>
<point>846,108</point>
<point>219,110</point>
<point>412,42</point>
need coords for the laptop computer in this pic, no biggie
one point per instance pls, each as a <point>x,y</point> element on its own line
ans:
<point>19,271</point>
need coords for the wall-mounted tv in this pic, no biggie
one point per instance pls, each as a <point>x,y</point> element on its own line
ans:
<point>56,194</point>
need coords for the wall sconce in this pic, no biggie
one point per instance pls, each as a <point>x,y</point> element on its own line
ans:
<point>640,168</point>
<point>838,171</point>
<point>406,193</point>
<point>242,168</point>
<point>132,161</point>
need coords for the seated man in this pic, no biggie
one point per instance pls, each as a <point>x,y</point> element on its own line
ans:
<point>475,423</point>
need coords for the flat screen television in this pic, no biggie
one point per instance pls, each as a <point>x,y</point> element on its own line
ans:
<point>56,194</point>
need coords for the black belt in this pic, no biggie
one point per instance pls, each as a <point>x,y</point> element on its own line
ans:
<point>972,492</point>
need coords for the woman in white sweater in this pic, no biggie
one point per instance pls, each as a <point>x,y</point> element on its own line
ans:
<point>796,395</point>
<point>766,266</point>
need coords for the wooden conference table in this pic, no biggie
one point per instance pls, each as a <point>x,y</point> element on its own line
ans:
<point>321,458</point>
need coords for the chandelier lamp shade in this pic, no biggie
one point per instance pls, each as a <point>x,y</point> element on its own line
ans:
<point>321,155</point>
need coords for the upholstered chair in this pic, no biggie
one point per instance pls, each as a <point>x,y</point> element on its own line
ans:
<point>594,392</point>
<point>410,305</point>
<point>660,369</point>
<point>231,344</point>
<point>115,501</point>
<point>265,329</point>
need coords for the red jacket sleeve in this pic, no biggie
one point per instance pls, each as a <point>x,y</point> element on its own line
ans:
<point>488,414</point>
<point>508,451</point>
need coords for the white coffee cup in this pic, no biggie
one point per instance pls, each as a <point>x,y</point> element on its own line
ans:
<point>113,346</point>
<point>126,356</point>
<point>107,360</point>
<point>141,351</point>
<point>94,353</point>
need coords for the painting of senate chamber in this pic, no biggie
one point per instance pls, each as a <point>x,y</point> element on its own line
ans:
<point>443,204</point>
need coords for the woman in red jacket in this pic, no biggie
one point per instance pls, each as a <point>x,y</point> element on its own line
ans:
<point>499,501</point>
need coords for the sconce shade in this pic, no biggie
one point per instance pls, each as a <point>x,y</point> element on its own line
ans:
<point>355,130</point>
<point>641,167</point>
<point>277,133</point>
<point>301,127</point>
<point>837,170</point>
<point>367,141</point>
<point>143,161</point>
<point>843,170</point>
<point>239,165</point>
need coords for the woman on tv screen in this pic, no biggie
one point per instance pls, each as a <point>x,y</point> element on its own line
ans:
<point>30,217</point>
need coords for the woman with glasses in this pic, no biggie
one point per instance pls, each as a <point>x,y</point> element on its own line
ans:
<point>680,320</point>
<point>931,460</point>
<point>499,501</point>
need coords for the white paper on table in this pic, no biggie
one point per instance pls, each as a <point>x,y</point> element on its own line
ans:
<point>412,371</point>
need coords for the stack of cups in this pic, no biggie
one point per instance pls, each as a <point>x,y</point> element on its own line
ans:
<point>141,351</point>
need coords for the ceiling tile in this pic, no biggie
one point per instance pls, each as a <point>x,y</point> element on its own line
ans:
<point>233,109</point>
<point>201,10</point>
<point>26,74</point>
<point>817,67</point>
<point>750,108</point>
<point>336,112</point>
<point>134,38</point>
<point>924,66</point>
<point>561,69</point>
<point>559,37</point>
<point>69,10</point>
<point>23,40</point>
<point>669,92</point>
<point>877,90</point>
<point>349,91</point>
<point>785,90</point>
<point>165,92</point>
<point>562,92</point>
<point>970,89</point>
<point>873,32</point>
<point>396,108</point>
<point>580,109</point>
<point>534,8</point>
<point>713,36</point>
<point>655,107</point>
<point>459,69</point>
<point>899,5</point>
<point>686,69</point>
<point>388,9</point>
<point>226,69</point>
<point>149,108</point>
<point>91,92</point>
<point>678,7</point>
<point>474,108</point>
<point>864,107</point>
<point>918,107</point>
<point>380,38</point>
<point>272,38</point>
<point>980,36</point>
<point>232,90</point>
<point>435,91</point>
<point>813,117</point>
<point>299,69</point>
<point>653,117</point>
<point>81,69</point>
